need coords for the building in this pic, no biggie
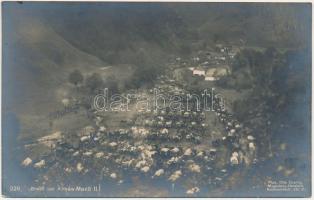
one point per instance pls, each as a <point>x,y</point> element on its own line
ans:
<point>191,68</point>
<point>216,73</point>
<point>210,78</point>
<point>199,71</point>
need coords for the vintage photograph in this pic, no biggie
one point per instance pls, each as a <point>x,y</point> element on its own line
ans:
<point>156,99</point>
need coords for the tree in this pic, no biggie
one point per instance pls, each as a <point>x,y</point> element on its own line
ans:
<point>185,49</point>
<point>112,84</point>
<point>94,82</point>
<point>76,77</point>
<point>216,38</point>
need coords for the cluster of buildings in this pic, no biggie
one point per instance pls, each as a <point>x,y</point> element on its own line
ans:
<point>213,64</point>
<point>210,74</point>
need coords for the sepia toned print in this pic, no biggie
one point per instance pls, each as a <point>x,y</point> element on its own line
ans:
<point>121,99</point>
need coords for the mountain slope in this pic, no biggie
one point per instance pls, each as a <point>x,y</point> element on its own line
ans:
<point>37,61</point>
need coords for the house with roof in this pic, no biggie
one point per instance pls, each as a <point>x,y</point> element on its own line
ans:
<point>216,73</point>
<point>199,71</point>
